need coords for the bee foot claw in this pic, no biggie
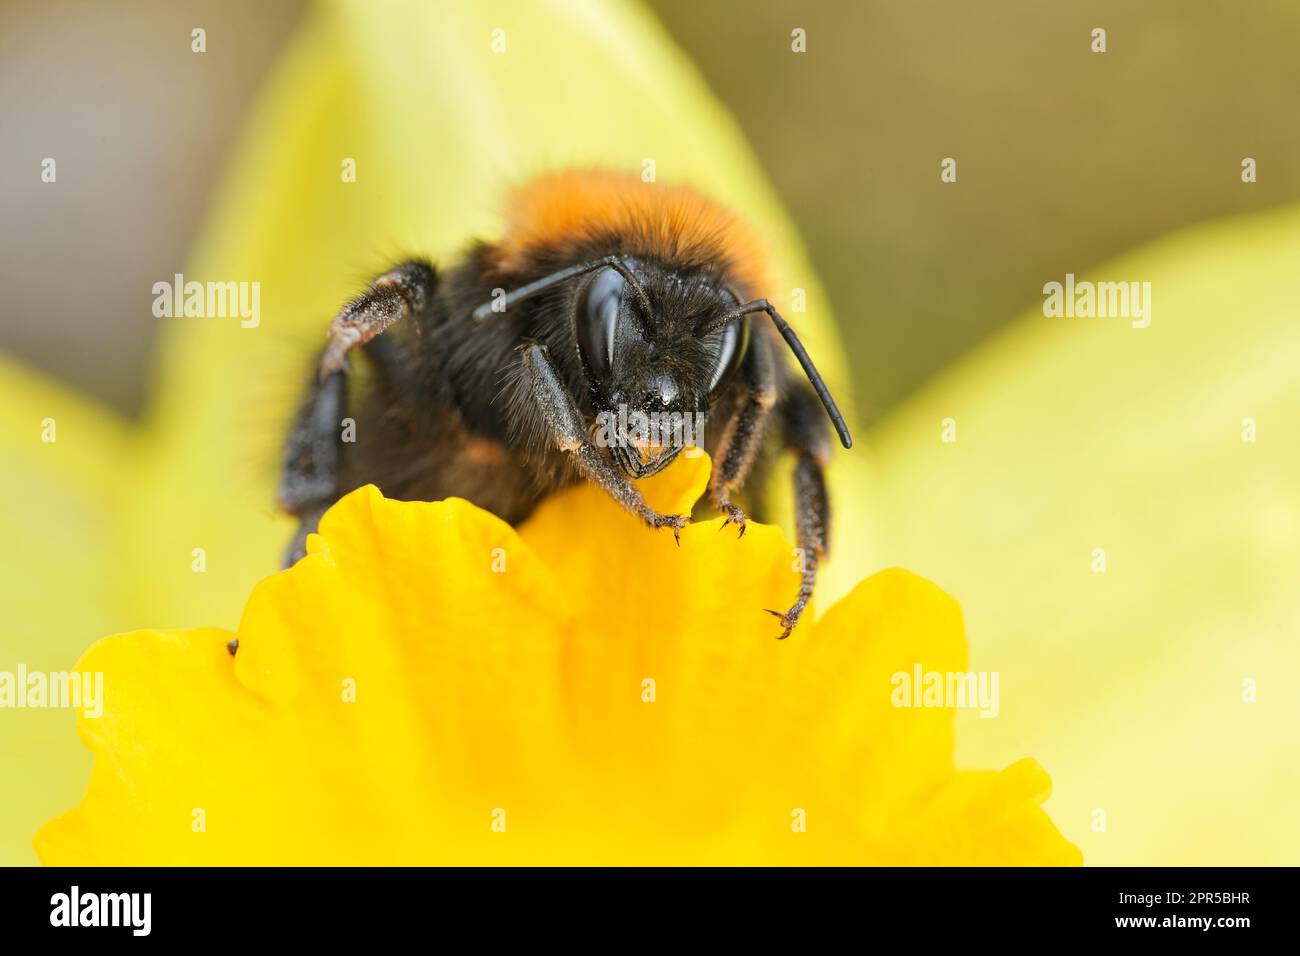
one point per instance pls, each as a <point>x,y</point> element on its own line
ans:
<point>676,522</point>
<point>787,622</point>
<point>734,516</point>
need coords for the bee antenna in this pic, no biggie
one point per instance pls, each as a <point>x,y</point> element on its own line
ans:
<point>800,353</point>
<point>544,283</point>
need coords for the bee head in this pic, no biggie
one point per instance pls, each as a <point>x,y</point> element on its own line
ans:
<point>651,378</point>
<point>658,347</point>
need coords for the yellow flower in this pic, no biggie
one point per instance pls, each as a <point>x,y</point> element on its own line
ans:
<point>1072,436</point>
<point>1119,516</point>
<point>440,127</point>
<point>430,685</point>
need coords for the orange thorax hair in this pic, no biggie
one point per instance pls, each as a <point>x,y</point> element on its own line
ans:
<point>563,214</point>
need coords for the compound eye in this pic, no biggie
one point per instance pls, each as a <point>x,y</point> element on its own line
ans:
<point>597,323</point>
<point>732,341</point>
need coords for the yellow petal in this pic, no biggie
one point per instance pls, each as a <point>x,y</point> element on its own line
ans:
<point>429,686</point>
<point>57,583</point>
<point>1152,688</point>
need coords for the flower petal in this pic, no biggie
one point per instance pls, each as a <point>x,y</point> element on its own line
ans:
<point>425,673</point>
<point>58,580</point>
<point>1141,670</point>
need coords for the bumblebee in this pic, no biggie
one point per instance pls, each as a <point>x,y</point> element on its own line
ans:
<point>606,302</point>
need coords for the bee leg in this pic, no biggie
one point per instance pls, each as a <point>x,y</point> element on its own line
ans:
<point>308,522</point>
<point>743,436</point>
<point>309,469</point>
<point>805,433</point>
<point>403,291</point>
<point>564,421</point>
<point>311,457</point>
<point>309,475</point>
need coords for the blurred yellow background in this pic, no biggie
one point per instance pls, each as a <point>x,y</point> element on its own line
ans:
<point>1129,686</point>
